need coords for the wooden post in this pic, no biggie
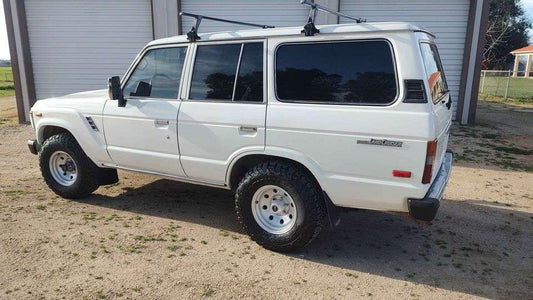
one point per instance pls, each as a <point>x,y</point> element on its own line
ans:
<point>516,64</point>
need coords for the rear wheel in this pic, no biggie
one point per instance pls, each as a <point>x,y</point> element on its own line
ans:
<point>66,168</point>
<point>280,206</point>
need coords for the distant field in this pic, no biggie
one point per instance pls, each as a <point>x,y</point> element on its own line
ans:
<point>519,88</point>
<point>7,87</point>
<point>8,111</point>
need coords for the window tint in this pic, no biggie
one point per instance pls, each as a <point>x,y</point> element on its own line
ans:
<point>158,74</point>
<point>249,85</point>
<point>214,72</point>
<point>434,72</point>
<point>340,72</point>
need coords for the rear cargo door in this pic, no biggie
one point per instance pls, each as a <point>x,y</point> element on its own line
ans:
<point>440,98</point>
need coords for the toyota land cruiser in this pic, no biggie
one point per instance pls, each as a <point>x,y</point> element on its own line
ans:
<point>355,116</point>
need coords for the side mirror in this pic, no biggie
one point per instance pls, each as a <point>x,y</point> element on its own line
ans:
<point>115,91</point>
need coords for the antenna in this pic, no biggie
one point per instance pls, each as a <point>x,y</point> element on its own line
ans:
<point>192,35</point>
<point>310,29</point>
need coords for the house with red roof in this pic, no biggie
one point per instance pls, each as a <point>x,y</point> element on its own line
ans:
<point>519,54</point>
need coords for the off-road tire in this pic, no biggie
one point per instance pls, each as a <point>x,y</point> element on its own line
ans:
<point>304,190</point>
<point>87,178</point>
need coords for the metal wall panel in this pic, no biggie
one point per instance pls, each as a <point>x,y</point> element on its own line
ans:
<point>76,45</point>
<point>278,13</point>
<point>448,20</point>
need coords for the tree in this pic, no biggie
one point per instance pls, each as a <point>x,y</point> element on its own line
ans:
<point>507,31</point>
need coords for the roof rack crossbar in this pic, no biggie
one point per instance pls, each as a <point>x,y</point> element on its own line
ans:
<point>310,29</point>
<point>193,34</point>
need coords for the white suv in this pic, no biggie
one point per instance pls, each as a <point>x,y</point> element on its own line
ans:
<point>355,116</point>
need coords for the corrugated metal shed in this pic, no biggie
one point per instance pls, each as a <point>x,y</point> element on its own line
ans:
<point>448,20</point>
<point>77,45</point>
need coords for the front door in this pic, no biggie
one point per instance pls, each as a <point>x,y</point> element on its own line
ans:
<point>143,135</point>
<point>224,113</point>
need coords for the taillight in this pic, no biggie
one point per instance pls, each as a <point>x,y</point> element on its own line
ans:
<point>430,159</point>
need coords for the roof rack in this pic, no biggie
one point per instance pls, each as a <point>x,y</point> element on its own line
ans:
<point>192,35</point>
<point>310,29</point>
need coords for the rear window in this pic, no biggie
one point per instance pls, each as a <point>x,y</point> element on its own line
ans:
<point>358,72</point>
<point>434,72</point>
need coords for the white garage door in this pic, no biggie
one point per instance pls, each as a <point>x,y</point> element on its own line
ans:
<point>446,19</point>
<point>279,13</point>
<point>77,45</point>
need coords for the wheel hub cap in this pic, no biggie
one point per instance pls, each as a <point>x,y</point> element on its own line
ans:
<point>63,168</point>
<point>274,209</point>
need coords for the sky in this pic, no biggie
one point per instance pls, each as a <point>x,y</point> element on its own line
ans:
<point>4,46</point>
<point>528,7</point>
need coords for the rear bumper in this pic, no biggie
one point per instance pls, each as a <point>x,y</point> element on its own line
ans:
<point>426,208</point>
<point>34,146</point>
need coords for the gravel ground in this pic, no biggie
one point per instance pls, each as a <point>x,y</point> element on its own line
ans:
<point>149,238</point>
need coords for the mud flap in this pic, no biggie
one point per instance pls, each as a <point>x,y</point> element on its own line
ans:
<point>334,217</point>
<point>107,176</point>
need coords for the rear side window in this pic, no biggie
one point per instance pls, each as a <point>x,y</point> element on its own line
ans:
<point>157,75</point>
<point>434,72</point>
<point>361,72</point>
<point>230,72</point>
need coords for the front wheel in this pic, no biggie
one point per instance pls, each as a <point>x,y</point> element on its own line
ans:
<point>280,206</point>
<point>66,168</point>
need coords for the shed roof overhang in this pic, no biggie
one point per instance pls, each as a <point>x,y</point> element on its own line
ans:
<point>523,51</point>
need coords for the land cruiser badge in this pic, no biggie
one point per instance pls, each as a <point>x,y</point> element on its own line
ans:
<point>380,142</point>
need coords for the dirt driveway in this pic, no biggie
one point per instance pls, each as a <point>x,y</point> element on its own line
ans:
<point>151,238</point>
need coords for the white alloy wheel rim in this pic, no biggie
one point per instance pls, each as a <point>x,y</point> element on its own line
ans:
<point>273,209</point>
<point>63,168</point>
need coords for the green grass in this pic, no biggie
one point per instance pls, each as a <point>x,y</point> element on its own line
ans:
<point>6,74</point>
<point>7,86</point>
<point>208,292</point>
<point>519,88</point>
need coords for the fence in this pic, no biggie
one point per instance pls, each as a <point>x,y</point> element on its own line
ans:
<point>503,84</point>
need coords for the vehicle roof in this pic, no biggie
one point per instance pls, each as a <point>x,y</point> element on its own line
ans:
<point>296,31</point>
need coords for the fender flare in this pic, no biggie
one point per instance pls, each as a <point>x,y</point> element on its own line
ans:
<point>276,152</point>
<point>92,142</point>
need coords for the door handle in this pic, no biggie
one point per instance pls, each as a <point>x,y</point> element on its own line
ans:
<point>161,122</point>
<point>248,129</point>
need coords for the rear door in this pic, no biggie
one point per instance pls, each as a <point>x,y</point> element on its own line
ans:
<point>440,99</point>
<point>223,113</point>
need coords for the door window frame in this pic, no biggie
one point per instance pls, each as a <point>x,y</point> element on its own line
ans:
<point>192,60</point>
<point>348,40</point>
<point>139,58</point>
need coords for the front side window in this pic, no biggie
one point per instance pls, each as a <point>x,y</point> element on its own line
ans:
<point>229,72</point>
<point>359,72</point>
<point>435,74</point>
<point>157,75</point>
